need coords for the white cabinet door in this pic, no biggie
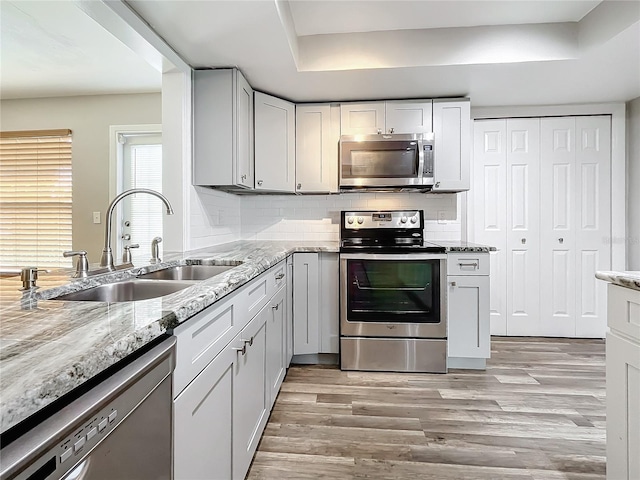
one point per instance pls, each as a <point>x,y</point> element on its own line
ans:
<point>244,131</point>
<point>223,129</point>
<point>468,305</point>
<point>489,218</point>
<point>523,225</point>
<point>317,137</point>
<point>452,129</point>
<point>305,304</point>
<point>362,118</point>
<point>250,397</point>
<point>623,412</point>
<point>408,117</point>
<point>203,421</point>
<point>289,316</point>
<point>275,144</point>
<point>276,347</point>
<point>329,303</point>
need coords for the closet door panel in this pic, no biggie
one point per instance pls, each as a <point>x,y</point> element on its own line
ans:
<point>593,223</point>
<point>489,219</point>
<point>557,227</point>
<point>523,225</point>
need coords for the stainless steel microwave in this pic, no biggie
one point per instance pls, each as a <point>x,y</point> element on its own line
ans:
<point>386,161</point>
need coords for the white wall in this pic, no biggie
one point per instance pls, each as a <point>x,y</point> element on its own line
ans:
<point>317,217</point>
<point>89,118</point>
<point>633,184</point>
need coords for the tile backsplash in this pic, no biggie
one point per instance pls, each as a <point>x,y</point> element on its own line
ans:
<point>218,217</point>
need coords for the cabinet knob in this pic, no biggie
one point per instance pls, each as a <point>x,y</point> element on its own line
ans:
<point>561,240</point>
<point>453,284</point>
<point>379,131</point>
<point>391,130</point>
<point>299,186</point>
<point>437,185</point>
<point>524,240</point>
<point>260,182</point>
<point>243,177</point>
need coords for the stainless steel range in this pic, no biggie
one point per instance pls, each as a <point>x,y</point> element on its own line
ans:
<point>393,311</point>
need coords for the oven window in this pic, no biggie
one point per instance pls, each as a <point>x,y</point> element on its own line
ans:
<point>398,291</point>
<point>389,160</point>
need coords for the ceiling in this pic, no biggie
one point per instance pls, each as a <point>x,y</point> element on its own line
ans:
<point>508,52</point>
<point>52,48</point>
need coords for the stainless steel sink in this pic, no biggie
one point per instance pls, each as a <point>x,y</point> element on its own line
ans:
<point>188,272</point>
<point>126,291</point>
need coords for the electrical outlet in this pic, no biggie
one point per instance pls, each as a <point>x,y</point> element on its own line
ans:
<point>96,217</point>
<point>442,216</point>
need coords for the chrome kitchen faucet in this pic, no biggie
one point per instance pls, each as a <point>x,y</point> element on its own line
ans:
<point>107,254</point>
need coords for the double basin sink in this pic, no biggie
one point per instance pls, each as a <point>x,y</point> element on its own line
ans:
<point>149,285</point>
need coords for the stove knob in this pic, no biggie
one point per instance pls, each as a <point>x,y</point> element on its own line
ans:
<point>349,220</point>
<point>360,220</point>
<point>414,219</point>
<point>403,219</point>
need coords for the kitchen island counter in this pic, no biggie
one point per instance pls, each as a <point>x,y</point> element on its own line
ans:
<point>49,347</point>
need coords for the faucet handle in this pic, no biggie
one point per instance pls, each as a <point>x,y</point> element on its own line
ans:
<point>82,265</point>
<point>126,256</point>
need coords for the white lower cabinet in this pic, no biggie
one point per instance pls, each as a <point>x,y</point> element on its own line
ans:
<point>315,303</point>
<point>250,402</point>
<point>469,339</point>
<point>223,408</point>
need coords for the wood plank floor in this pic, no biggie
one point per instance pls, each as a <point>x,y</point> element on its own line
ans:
<point>538,412</point>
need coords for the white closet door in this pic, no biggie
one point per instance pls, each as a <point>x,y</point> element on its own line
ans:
<point>489,220</point>
<point>593,222</point>
<point>523,226</point>
<point>557,228</point>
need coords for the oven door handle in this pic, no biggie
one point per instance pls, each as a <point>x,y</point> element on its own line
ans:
<point>410,289</point>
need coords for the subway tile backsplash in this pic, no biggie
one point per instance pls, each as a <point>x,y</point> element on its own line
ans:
<point>218,217</point>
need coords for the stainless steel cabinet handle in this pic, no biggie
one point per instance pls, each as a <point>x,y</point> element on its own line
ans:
<point>276,306</point>
<point>243,349</point>
<point>299,186</point>
<point>391,130</point>
<point>250,341</point>
<point>243,177</point>
<point>379,131</point>
<point>561,240</point>
<point>260,182</point>
<point>280,276</point>
<point>453,284</point>
<point>437,185</point>
<point>474,265</point>
<point>524,240</point>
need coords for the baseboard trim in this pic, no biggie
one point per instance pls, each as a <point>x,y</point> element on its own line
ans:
<point>316,359</point>
<point>467,363</point>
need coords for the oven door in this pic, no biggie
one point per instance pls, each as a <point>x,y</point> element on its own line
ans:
<point>393,295</point>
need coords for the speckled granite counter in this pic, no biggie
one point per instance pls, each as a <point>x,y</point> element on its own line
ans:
<point>52,347</point>
<point>624,279</point>
<point>460,246</point>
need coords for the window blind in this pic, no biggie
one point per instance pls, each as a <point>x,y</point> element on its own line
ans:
<point>35,198</point>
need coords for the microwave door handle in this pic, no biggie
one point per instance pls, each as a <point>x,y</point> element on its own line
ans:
<point>420,160</point>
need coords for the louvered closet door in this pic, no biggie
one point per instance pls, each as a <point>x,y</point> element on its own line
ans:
<point>557,228</point>
<point>593,222</point>
<point>489,218</point>
<point>523,226</point>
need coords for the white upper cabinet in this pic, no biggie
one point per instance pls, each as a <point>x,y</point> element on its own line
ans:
<point>317,137</point>
<point>223,129</point>
<point>401,116</point>
<point>275,146</point>
<point>408,116</point>
<point>452,160</point>
<point>362,118</point>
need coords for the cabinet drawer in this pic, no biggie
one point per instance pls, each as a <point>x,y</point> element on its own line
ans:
<point>468,264</point>
<point>623,305</point>
<point>279,276</point>
<point>202,337</point>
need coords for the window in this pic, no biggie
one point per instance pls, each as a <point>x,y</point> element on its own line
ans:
<point>35,198</point>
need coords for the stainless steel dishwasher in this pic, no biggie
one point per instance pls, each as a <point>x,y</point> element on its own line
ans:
<point>120,429</point>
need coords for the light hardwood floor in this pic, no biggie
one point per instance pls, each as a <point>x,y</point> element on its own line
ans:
<point>538,412</point>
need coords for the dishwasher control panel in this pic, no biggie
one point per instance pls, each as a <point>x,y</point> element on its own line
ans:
<point>87,436</point>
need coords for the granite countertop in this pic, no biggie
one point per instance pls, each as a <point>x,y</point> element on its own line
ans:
<point>49,347</point>
<point>460,246</point>
<point>624,279</point>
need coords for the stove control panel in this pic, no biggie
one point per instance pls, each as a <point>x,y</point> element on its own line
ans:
<point>393,219</point>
